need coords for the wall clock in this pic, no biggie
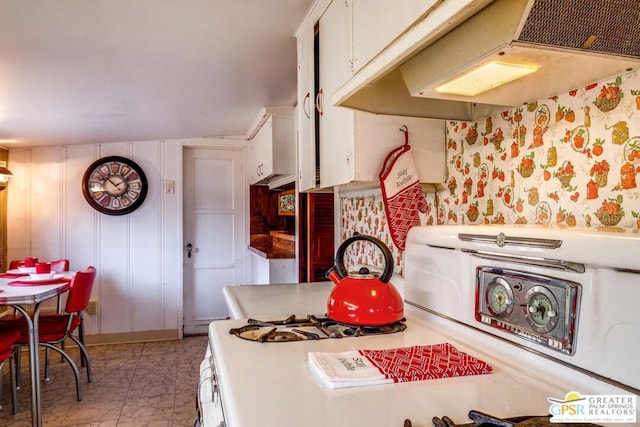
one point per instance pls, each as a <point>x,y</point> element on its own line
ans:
<point>114,185</point>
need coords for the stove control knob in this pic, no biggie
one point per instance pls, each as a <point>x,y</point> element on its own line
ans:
<point>499,297</point>
<point>542,309</point>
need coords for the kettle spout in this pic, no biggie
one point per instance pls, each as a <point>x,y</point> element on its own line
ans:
<point>333,275</point>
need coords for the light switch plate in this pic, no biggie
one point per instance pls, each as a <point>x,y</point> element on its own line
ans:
<point>169,187</point>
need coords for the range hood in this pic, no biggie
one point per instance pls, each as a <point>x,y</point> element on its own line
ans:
<point>571,42</point>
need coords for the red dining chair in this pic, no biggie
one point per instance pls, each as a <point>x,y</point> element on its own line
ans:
<point>15,263</point>
<point>59,265</point>
<point>7,341</point>
<point>55,328</point>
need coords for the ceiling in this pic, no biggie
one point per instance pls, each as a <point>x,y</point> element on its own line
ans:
<point>93,71</point>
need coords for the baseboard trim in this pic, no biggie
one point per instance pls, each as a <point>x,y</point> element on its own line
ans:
<point>132,337</point>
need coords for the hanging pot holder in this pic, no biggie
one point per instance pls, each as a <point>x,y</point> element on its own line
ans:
<point>401,192</point>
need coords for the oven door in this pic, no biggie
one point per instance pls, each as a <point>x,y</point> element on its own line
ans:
<point>209,404</point>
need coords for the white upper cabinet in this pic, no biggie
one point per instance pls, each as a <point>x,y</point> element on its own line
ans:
<point>341,145</point>
<point>272,148</point>
<point>376,23</point>
<point>305,111</point>
<point>336,123</point>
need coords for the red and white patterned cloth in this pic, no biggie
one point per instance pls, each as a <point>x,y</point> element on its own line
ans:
<point>371,367</point>
<point>401,193</point>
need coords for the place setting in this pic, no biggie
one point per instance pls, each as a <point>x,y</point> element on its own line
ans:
<point>34,273</point>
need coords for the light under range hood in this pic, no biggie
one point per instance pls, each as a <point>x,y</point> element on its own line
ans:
<point>571,42</point>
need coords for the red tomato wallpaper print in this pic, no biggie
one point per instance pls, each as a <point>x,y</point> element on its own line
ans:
<point>570,160</point>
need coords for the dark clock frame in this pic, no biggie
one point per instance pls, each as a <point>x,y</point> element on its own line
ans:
<point>135,168</point>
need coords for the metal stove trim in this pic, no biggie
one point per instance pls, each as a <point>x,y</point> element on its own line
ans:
<point>533,261</point>
<point>576,368</point>
<point>502,240</point>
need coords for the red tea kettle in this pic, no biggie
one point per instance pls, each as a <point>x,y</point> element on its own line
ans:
<point>363,298</point>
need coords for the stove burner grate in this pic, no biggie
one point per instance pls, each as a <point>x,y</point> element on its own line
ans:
<point>309,328</point>
<point>480,419</point>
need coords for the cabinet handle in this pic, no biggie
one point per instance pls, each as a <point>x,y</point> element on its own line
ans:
<point>305,105</point>
<point>319,102</point>
<point>352,64</point>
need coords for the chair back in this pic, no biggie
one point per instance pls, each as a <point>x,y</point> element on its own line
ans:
<point>60,265</point>
<point>80,290</point>
<point>14,264</point>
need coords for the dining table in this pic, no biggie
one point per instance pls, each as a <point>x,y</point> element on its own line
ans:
<point>26,295</point>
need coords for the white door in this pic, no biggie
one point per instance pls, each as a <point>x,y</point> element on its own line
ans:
<point>214,227</point>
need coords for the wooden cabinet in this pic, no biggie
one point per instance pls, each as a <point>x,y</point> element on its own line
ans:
<point>335,123</point>
<point>324,51</point>
<point>305,111</point>
<point>383,37</point>
<point>272,148</point>
<point>350,146</point>
<point>308,95</point>
<point>376,25</point>
<point>259,149</point>
<point>316,250</point>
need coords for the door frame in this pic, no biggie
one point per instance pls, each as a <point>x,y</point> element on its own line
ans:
<point>206,143</point>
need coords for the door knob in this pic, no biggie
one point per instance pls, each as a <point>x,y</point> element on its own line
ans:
<point>189,249</point>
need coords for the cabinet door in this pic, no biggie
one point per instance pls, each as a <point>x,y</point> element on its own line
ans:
<point>336,123</point>
<point>376,24</point>
<point>305,114</point>
<point>282,271</point>
<point>259,269</point>
<point>252,162</point>
<point>265,147</point>
<point>261,152</point>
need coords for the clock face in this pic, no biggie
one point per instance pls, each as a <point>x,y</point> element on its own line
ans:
<point>114,185</point>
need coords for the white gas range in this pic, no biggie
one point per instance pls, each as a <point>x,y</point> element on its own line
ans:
<point>552,310</point>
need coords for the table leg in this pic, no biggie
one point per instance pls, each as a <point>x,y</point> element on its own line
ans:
<point>34,363</point>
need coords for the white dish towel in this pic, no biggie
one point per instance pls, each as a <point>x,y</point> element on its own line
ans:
<point>372,367</point>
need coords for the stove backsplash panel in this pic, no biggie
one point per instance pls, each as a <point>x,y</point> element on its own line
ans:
<point>570,160</point>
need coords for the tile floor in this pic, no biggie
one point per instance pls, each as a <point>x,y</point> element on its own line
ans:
<point>141,384</point>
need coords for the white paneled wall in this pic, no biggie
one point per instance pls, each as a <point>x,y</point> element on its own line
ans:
<point>138,256</point>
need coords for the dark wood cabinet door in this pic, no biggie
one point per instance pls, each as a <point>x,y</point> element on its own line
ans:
<point>316,233</point>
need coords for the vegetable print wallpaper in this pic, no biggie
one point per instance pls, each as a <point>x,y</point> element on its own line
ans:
<point>570,160</point>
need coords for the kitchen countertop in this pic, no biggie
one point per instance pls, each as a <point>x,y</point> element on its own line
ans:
<point>269,302</point>
<point>269,252</point>
<point>275,245</point>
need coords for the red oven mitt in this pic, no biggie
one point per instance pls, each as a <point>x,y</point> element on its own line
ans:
<point>401,192</point>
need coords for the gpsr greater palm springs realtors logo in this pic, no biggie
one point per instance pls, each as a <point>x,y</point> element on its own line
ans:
<point>603,408</point>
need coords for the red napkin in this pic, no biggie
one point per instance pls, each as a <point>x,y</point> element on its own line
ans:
<point>12,275</point>
<point>425,362</point>
<point>38,282</point>
<point>401,192</point>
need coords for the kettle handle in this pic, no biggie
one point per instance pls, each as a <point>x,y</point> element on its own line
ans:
<point>339,261</point>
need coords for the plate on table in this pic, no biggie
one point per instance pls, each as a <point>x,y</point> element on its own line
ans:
<point>57,278</point>
<point>45,276</point>
<point>16,272</point>
<point>26,270</point>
